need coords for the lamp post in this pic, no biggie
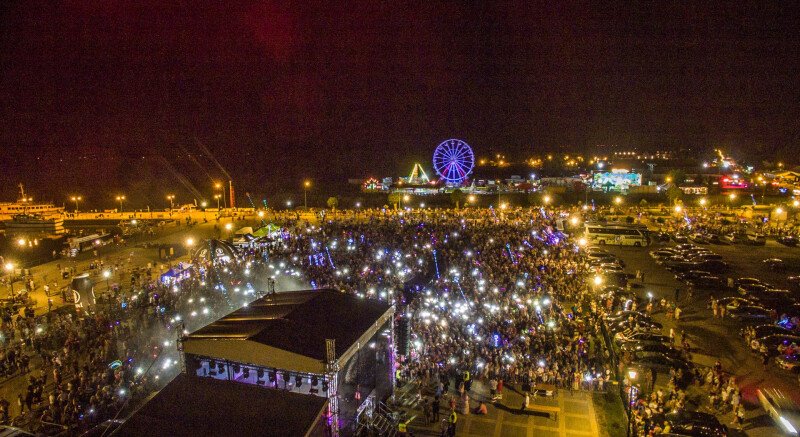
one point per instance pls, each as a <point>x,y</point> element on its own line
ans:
<point>219,186</point>
<point>120,199</point>
<point>76,199</point>
<point>9,267</point>
<point>171,198</point>
<point>107,275</point>
<point>306,186</point>
<point>217,196</point>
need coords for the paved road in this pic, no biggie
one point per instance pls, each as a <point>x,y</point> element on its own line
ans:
<point>716,338</point>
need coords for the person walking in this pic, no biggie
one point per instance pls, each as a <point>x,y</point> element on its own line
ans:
<point>435,409</point>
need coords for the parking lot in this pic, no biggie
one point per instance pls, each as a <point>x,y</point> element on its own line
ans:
<point>711,338</point>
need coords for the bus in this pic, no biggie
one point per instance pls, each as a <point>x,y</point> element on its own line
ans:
<point>619,234</point>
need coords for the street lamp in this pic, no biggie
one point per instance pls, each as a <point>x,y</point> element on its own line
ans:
<point>618,200</point>
<point>76,199</point>
<point>171,198</point>
<point>678,208</point>
<point>107,275</point>
<point>703,201</point>
<point>120,199</point>
<point>189,242</point>
<point>472,198</point>
<point>796,203</point>
<point>546,199</point>
<point>306,186</point>
<point>10,271</point>
<point>217,196</point>
<point>598,280</point>
<point>288,203</point>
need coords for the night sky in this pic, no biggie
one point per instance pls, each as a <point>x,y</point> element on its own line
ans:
<point>98,96</point>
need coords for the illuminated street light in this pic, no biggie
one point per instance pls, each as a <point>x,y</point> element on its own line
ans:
<point>546,199</point>
<point>228,226</point>
<point>779,210</point>
<point>171,199</point>
<point>618,200</point>
<point>76,199</point>
<point>581,241</point>
<point>631,374</point>
<point>732,197</point>
<point>406,198</point>
<point>422,205</point>
<point>358,204</point>
<point>288,203</point>
<point>796,203</point>
<point>306,186</point>
<point>703,201</point>
<point>503,205</point>
<point>203,204</point>
<point>678,208</point>
<point>260,214</point>
<point>107,275</point>
<point>472,198</point>
<point>217,196</point>
<point>190,242</point>
<point>598,280</point>
<point>10,271</point>
<point>120,199</point>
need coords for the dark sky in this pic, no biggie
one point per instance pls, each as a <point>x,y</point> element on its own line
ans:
<point>278,91</point>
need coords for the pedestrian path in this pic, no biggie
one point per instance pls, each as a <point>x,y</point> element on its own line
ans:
<point>567,414</point>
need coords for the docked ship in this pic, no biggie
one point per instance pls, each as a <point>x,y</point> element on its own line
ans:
<point>26,217</point>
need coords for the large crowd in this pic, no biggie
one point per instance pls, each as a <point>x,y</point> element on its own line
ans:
<point>84,368</point>
<point>498,296</point>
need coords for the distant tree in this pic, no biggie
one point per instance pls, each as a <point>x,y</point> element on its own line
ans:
<point>333,202</point>
<point>677,177</point>
<point>395,198</point>
<point>457,197</point>
<point>674,194</point>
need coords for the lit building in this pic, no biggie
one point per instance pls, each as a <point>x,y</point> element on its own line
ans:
<point>319,343</point>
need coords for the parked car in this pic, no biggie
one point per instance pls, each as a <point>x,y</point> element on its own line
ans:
<point>788,362</point>
<point>646,337</point>
<point>714,266</point>
<point>732,303</point>
<point>788,240</point>
<point>695,423</point>
<point>762,331</point>
<point>750,313</point>
<point>736,238</point>
<point>750,288</point>
<point>718,239</point>
<point>756,239</point>
<point>662,363</point>
<point>746,281</point>
<point>691,274</point>
<point>706,282</point>
<point>774,264</point>
<point>783,411</point>
<point>640,350</point>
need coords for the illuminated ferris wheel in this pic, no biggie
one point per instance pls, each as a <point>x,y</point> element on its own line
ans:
<point>453,161</point>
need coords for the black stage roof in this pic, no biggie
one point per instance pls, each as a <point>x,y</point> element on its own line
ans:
<point>299,321</point>
<point>193,406</point>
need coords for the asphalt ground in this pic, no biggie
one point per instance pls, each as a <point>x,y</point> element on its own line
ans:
<point>713,339</point>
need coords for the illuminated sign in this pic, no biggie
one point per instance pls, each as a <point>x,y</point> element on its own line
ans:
<point>615,181</point>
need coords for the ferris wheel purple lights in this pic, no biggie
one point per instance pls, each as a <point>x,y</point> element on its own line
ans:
<point>453,161</point>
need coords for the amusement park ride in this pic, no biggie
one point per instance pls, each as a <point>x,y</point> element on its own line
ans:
<point>453,161</point>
